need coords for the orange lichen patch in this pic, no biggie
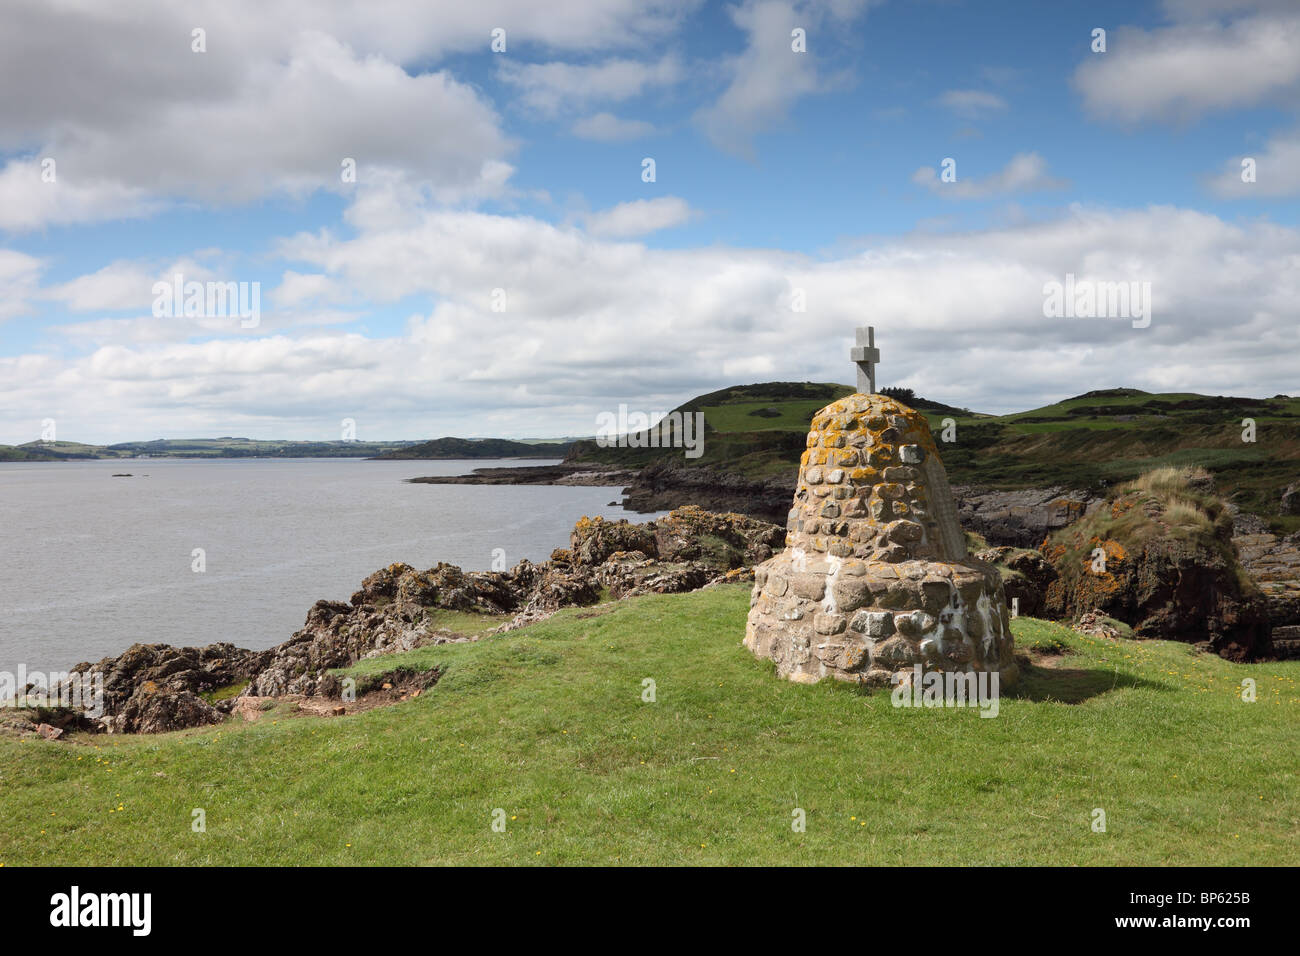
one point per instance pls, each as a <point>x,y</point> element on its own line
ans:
<point>855,655</point>
<point>815,456</point>
<point>840,418</point>
<point>1096,589</point>
<point>1112,549</point>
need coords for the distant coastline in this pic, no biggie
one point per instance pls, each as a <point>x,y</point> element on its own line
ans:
<point>202,448</point>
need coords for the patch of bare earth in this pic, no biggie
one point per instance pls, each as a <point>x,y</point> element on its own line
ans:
<point>383,690</point>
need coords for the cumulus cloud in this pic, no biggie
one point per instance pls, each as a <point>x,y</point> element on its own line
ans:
<point>608,128</point>
<point>134,117</point>
<point>29,199</point>
<point>972,104</point>
<point>324,104</point>
<point>1198,64</point>
<point>549,88</point>
<point>124,284</point>
<point>298,289</point>
<point>590,323</point>
<point>1025,172</point>
<point>19,278</point>
<point>767,78</point>
<point>638,217</point>
<point>1277,171</point>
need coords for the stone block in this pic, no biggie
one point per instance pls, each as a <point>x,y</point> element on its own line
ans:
<point>874,624</point>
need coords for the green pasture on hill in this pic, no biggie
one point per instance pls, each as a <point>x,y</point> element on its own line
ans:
<point>548,725</point>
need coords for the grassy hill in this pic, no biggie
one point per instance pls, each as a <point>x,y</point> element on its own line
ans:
<point>738,439</point>
<point>548,724</point>
<point>1090,441</point>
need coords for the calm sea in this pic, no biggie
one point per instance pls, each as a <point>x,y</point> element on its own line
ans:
<point>90,564</point>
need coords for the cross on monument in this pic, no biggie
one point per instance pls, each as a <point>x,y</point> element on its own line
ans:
<point>866,355</point>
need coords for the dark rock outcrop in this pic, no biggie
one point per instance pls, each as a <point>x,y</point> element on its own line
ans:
<point>1020,519</point>
<point>1026,576</point>
<point>1159,557</point>
<point>157,687</point>
<point>1273,563</point>
<point>664,484</point>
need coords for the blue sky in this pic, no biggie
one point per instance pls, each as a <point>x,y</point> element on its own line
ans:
<point>776,171</point>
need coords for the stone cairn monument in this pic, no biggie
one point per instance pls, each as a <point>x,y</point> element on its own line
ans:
<point>875,577</point>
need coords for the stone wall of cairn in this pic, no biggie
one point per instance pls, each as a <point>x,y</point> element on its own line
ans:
<point>875,577</point>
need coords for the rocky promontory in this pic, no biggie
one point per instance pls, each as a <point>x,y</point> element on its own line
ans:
<point>158,687</point>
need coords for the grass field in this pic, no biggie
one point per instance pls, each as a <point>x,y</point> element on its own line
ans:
<point>739,417</point>
<point>548,725</point>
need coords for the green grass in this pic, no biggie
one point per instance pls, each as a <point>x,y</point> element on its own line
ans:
<point>463,622</point>
<point>737,417</point>
<point>548,724</point>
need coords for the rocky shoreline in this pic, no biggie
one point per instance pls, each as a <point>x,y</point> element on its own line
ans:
<point>1161,588</point>
<point>656,487</point>
<point>1014,518</point>
<point>157,687</point>
<point>584,475</point>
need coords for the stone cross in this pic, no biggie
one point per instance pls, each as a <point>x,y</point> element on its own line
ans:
<point>866,355</point>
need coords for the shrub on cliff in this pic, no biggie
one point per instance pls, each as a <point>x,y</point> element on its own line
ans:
<point>1159,557</point>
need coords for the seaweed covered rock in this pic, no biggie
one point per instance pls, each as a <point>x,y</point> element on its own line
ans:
<point>875,577</point>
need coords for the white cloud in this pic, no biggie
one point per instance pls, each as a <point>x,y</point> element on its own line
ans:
<point>298,289</point>
<point>1197,64</point>
<point>1277,171</point>
<point>745,368</point>
<point>549,88</point>
<point>284,93</point>
<point>19,278</point>
<point>124,284</point>
<point>972,104</point>
<point>324,104</point>
<point>29,202</point>
<point>767,78</point>
<point>590,323</point>
<point>638,217</point>
<point>608,128</point>
<point>1025,172</point>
